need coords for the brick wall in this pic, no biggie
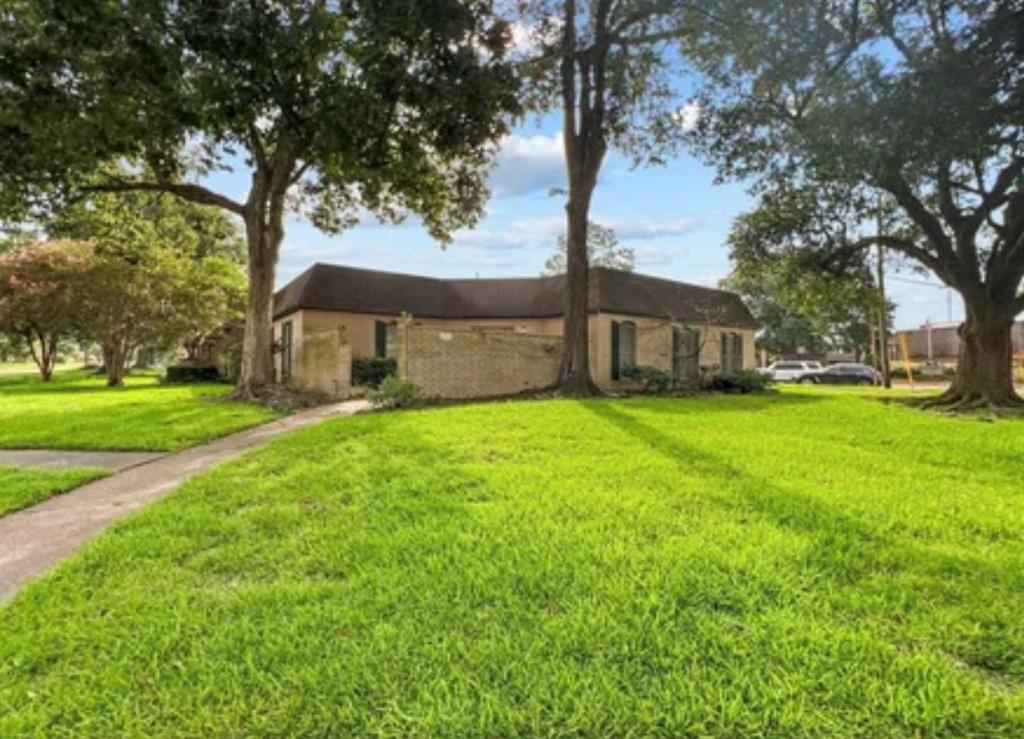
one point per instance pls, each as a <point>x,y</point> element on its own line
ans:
<point>476,364</point>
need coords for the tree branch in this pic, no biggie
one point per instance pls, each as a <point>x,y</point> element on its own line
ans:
<point>185,191</point>
<point>893,181</point>
<point>905,247</point>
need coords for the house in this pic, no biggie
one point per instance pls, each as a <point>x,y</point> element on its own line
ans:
<point>485,328</point>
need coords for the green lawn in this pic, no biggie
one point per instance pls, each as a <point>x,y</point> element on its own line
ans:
<point>813,564</point>
<point>20,488</point>
<point>77,411</point>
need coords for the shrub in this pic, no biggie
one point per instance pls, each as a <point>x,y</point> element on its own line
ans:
<point>397,392</point>
<point>744,381</point>
<point>652,380</point>
<point>185,373</point>
<point>372,371</point>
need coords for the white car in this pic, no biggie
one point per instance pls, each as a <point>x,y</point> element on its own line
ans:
<point>789,371</point>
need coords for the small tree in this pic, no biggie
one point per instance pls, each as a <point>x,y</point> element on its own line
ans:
<point>798,299</point>
<point>41,288</point>
<point>917,101</point>
<point>214,291</point>
<point>332,106</point>
<point>163,272</point>
<point>603,250</point>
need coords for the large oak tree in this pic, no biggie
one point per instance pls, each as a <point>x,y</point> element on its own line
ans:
<point>331,105</point>
<point>916,102</point>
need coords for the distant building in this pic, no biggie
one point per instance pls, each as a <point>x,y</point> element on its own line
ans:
<point>941,341</point>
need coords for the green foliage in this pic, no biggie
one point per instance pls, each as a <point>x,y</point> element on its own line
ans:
<point>893,123</point>
<point>164,273</point>
<point>21,488</point>
<point>397,392</point>
<point>76,411</point>
<point>41,297</point>
<point>653,381</point>
<point>806,564</point>
<point>603,250</point>
<point>346,106</point>
<point>801,306</point>
<point>372,371</point>
<point>743,382</point>
<point>12,346</point>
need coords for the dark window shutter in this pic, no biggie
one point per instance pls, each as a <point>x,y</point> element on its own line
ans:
<point>380,339</point>
<point>616,367</point>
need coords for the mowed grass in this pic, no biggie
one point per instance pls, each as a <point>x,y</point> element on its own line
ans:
<point>77,411</point>
<point>20,488</point>
<point>813,564</point>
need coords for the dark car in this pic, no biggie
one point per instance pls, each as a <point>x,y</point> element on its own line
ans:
<point>842,374</point>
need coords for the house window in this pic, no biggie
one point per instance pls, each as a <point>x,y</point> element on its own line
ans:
<point>623,347</point>
<point>725,346</point>
<point>286,351</point>
<point>380,339</point>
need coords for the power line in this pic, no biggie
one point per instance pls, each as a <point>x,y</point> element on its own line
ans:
<point>939,286</point>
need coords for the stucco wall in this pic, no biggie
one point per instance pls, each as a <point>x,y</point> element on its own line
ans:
<point>325,366</point>
<point>654,345</point>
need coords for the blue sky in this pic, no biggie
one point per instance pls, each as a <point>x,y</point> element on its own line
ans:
<point>675,217</point>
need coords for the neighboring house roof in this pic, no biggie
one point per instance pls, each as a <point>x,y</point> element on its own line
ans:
<point>349,289</point>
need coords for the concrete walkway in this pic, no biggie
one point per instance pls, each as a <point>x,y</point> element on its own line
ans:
<point>35,539</point>
<point>56,459</point>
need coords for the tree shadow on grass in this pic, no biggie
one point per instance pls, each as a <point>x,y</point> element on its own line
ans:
<point>704,403</point>
<point>848,552</point>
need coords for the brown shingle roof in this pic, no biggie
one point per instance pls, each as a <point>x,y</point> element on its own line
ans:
<point>336,288</point>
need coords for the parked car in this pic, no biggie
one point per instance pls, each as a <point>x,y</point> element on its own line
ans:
<point>789,371</point>
<point>843,374</point>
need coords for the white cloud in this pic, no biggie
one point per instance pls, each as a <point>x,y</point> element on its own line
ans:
<point>542,232</point>
<point>528,164</point>
<point>648,255</point>
<point>648,228</point>
<point>689,115</point>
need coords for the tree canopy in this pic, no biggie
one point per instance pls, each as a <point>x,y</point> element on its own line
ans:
<point>41,291</point>
<point>333,107</point>
<point>603,250</point>
<point>917,101</point>
<point>123,271</point>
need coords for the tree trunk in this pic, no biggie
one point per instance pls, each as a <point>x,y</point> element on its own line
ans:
<point>985,368</point>
<point>115,357</point>
<point>44,358</point>
<point>257,370</point>
<point>574,379</point>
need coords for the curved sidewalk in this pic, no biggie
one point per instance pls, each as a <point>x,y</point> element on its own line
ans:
<point>35,539</point>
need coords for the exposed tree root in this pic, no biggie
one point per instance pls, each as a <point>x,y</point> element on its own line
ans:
<point>955,400</point>
<point>573,389</point>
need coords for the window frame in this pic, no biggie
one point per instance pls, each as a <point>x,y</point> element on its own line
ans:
<point>287,339</point>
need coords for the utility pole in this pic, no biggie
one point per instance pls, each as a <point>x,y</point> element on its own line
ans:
<point>883,320</point>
